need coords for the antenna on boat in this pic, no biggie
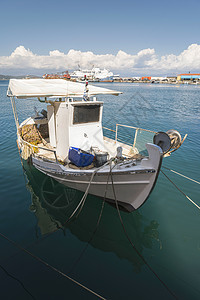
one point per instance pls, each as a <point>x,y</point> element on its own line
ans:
<point>36,111</point>
<point>86,90</point>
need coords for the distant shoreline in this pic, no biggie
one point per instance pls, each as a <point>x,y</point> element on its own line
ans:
<point>124,81</point>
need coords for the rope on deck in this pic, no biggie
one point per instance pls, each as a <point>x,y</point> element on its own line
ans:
<point>181,191</point>
<point>181,175</point>
<point>51,267</point>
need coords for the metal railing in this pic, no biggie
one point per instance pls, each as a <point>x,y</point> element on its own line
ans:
<point>116,131</point>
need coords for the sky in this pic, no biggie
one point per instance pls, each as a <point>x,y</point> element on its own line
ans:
<point>128,37</point>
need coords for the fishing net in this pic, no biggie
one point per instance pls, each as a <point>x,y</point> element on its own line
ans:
<point>34,135</point>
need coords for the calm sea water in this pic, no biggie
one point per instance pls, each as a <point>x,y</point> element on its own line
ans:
<point>165,230</point>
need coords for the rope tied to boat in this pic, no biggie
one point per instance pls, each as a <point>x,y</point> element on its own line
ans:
<point>181,191</point>
<point>195,181</point>
<point>83,199</point>
<point>96,227</point>
<point>20,282</point>
<point>52,268</point>
<point>133,246</point>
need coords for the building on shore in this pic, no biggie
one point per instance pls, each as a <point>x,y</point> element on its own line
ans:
<point>146,78</point>
<point>60,75</point>
<point>188,76</point>
<point>154,79</point>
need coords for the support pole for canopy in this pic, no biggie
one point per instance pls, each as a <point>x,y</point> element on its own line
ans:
<point>15,112</point>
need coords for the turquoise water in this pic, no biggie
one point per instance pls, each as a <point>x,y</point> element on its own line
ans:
<point>165,230</point>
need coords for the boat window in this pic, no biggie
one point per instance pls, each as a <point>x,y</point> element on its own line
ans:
<point>86,114</point>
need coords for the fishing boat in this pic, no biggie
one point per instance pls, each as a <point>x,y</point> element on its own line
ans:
<point>67,142</point>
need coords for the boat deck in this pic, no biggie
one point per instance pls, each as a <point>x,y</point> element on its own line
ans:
<point>46,151</point>
<point>36,140</point>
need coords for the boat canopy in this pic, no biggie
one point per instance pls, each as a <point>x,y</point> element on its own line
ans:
<point>29,88</point>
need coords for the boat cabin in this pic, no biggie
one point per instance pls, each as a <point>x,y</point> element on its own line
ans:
<point>75,123</point>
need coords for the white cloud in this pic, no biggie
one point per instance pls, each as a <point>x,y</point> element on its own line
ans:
<point>56,53</point>
<point>21,52</point>
<point>188,59</point>
<point>145,60</point>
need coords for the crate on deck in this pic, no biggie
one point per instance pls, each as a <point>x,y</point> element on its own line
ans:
<point>79,157</point>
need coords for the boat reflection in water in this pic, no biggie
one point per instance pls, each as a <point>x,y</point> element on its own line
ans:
<point>53,203</point>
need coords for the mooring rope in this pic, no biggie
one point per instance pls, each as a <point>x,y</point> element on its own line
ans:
<point>51,267</point>
<point>95,230</point>
<point>20,282</point>
<point>83,199</point>
<point>181,191</point>
<point>181,175</point>
<point>133,246</point>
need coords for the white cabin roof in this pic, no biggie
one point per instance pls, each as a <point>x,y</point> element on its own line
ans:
<point>25,88</point>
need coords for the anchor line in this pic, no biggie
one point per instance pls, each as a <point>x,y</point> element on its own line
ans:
<point>181,175</point>
<point>82,202</point>
<point>86,246</point>
<point>83,199</point>
<point>95,230</point>
<point>48,265</point>
<point>52,268</point>
<point>181,191</point>
<point>80,205</point>
<point>20,282</point>
<point>133,246</point>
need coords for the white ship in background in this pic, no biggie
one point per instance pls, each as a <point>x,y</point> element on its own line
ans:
<point>94,74</point>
